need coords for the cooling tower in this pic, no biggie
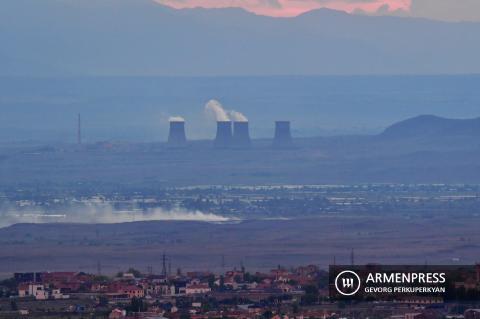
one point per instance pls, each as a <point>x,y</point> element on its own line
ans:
<point>176,136</point>
<point>283,137</point>
<point>241,135</point>
<point>224,134</point>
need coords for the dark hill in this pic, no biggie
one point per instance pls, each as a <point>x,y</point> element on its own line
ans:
<point>430,126</point>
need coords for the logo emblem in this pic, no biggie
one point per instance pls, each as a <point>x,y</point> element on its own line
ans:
<point>347,283</point>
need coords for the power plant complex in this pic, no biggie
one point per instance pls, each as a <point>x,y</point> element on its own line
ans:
<point>235,135</point>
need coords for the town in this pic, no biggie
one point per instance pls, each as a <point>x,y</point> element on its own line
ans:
<point>281,293</point>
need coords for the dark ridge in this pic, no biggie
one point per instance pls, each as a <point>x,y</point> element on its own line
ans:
<point>433,126</point>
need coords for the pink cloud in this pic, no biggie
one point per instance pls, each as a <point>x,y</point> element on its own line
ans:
<point>286,8</point>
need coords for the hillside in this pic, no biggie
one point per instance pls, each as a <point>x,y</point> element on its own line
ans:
<point>434,127</point>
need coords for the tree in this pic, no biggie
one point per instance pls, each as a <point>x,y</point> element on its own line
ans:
<point>101,278</point>
<point>267,314</point>
<point>13,305</point>
<point>295,308</point>
<point>222,283</point>
<point>137,305</point>
<point>185,315</point>
<point>311,295</point>
<point>10,283</point>
<point>211,281</point>
<point>135,272</point>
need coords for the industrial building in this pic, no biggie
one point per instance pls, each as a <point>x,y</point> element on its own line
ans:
<point>224,137</point>
<point>241,135</point>
<point>283,136</point>
<point>177,136</point>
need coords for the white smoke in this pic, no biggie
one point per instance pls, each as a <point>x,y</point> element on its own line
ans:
<point>237,116</point>
<point>176,119</point>
<point>104,213</point>
<point>215,110</point>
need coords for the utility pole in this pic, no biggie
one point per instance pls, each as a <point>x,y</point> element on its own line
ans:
<point>164,265</point>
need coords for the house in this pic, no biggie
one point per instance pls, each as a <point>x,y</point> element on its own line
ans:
<point>128,275</point>
<point>235,275</point>
<point>192,289</point>
<point>23,290</point>
<point>99,287</point>
<point>38,291</point>
<point>57,294</point>
<point>285,288</point>
<point>66,281</point>
<point>59,276</point>
<point>162,289</point>
<point>131,291</point>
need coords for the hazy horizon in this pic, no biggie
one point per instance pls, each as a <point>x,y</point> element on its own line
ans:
<point>137,109</point>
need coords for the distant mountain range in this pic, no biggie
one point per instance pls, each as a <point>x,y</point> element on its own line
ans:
<point>140,37</point>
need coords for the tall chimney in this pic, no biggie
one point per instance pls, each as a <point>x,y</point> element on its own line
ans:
<point>283,137</point>
<point>176,136</point>
<point>79,130</point>
<point>241,135</point>
<point>224,134</point>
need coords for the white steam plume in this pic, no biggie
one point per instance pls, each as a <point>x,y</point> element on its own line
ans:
<point>176,119</point>
<point>215,110</point>
<point>237,116</point>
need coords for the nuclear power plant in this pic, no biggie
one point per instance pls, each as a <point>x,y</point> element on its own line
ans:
<point>241,134</point>
<point>283,136</point>
<point>224,136</point>
<point>231,134</point>
<point>177,136</point>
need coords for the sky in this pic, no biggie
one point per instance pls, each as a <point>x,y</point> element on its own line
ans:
<point>446,10</point>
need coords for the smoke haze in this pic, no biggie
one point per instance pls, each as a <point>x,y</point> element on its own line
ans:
<point>104,214</point>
